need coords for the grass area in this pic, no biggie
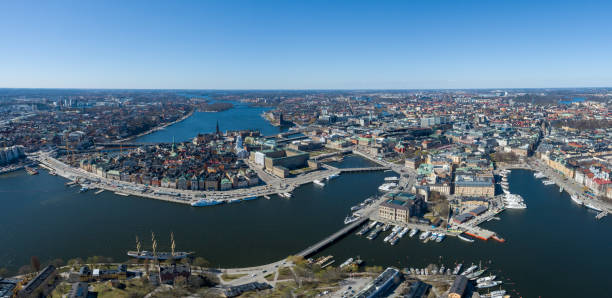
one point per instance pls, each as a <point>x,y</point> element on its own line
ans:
<point>321,152</point>
<point>285,273</point>
<point>269,277</point>
<point>134,288</point>
<point>228,277</point>
<point>61,290</point>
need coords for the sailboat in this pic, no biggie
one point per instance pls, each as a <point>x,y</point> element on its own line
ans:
<point>154,255</point>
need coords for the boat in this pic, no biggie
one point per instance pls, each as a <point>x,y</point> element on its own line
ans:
<point>332,176</point>
<point>494,294</point>
<point>351,219</point>
<point>206,202</point>
<point>413,232</point>
<point>457,268</point>
<point>31,170</point>
<point>394,240</point>
<point>392,178</point>
<point>465,238</point>
<point>561,189</point>
<point>387,186</point>
<point>148,255</point>
<point>318,182</point>
<point>375,232</point>
<point>484,279</point>
<point>548,182</point>
<point>488,284</point>
<point>364,230</point>
<point>386,227</point>
<point>575,199</point>
<point>433,236</point>
<point>469,270</point>
<point>440,237</point>
<point>249,198</point>
<point>84,188</point>
<point>346,263</point>
<point>424,235</point>
<point>539,175</point>
<point>591,206</point>
<point>286,195</point>
<point>476,274</point>
<point>403,232</point>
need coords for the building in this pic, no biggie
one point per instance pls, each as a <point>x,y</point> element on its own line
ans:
<point>168,273</point>
<point>474,186</point>
<point>42,284</point>
<point>459,287</point>
<point>7,286</point>
<point>79,290</point>
<point>401,207</point>
<point>418,289</point>
<point>381,285</point>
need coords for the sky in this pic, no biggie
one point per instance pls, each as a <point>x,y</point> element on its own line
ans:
<point>410,44</point>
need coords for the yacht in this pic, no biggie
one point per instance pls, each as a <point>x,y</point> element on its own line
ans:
<point>484,279</point>
<point>332,176</point>
<point>387,186</point>
<point>457,269</point>
<point>539,175</point>
<point>424,235</point>
<point>561,189</point>
<point>488,284</point>
<point>591,206</point>
<point>465,238</point>
<point>548,182</point>
<point>440,237</point>
<point>318,182</point>
<point>391,179</point>
<point>575,199</point>
<point>351,219</point>
<point>469,270</point>
<point>413,232</point>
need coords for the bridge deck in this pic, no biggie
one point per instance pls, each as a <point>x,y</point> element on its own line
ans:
<point>329,240</point>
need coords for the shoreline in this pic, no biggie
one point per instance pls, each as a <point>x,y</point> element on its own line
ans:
<point>157,128</point>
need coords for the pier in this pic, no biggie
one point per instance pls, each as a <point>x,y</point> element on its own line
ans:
<point>601,214</point>
<point>332,238</point>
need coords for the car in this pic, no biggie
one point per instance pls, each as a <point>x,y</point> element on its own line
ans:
<point>264,271</point>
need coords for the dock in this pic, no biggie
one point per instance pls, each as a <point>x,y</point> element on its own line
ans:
<point>99,191</point>
<point>601,214</point>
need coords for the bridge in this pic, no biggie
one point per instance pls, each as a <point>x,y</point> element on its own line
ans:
<point>332,238</point>
<point>366,169</point>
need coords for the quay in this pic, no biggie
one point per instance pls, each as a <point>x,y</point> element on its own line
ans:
<point>366,169</point>
<point>601,214</point>
<point>99,191</point>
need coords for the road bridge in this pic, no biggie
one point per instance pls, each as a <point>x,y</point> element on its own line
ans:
<point>366,169</point>
<point>332,238</point>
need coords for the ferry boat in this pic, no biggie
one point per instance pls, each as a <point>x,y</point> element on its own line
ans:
<point>457,269</point>
<point>318,182</point>
<point>488,284</point>
<point>575,199</point>
<point>465,238</point>
<point>413,232</point>
<point>30,170</point>
<point>424,235</point>
<point>351,219</point>
<point>332,176</point>
<point>591,206</point>
<point>206,202</point>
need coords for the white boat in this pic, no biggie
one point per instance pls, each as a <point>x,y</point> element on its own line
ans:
<point>351,219</point>
<point>346,263</point>
<point>484,279</point>
<point>548,182</point>
<point>488,284</point>
<point>413,232</point>
<point>392,178</point>
<point>424,235</point>
<point>285,195</point>
<point>561,189</point>
<point>539,175</point>
<point>387,186</point>
<point>332,176</point>
<point>465,239</point>
<point>457,269</point>
<point>469,270</point>
<point>494,294</point>
<point>318,182</point>
<point>403,232</point>
<point>440,237</point>
<point>591,206</point>
<point>575,199</point>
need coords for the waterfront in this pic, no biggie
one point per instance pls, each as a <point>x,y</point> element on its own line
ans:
<point>50,220</point>
<point>241,116</point>
<point>553,242</point>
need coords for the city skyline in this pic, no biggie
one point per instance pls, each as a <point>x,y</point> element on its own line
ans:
<point>298,46</point>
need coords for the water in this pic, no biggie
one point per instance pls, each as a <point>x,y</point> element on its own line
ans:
<point>553,242</point>
<point>241,116</point>
<point>50,220</point>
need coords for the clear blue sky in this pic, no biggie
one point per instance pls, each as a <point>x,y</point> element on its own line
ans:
<point>305,44</point>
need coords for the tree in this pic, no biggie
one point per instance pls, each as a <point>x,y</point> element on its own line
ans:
<point>57,262</point>
<point>200,262</point>
<point>3,272</point>
<point>25,269</point>
<point>35,263</point>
